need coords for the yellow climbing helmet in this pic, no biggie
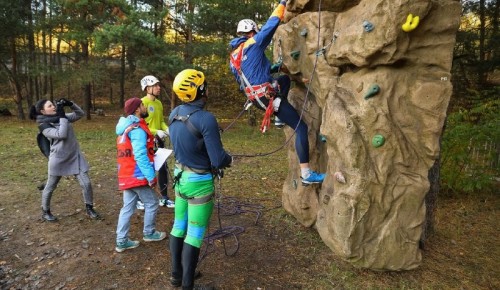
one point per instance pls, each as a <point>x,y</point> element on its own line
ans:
<point>187,83</point>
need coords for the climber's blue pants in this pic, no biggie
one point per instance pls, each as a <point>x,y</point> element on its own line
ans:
<point>289,116</point>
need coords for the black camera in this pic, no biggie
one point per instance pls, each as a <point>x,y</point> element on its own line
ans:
<point>60,102</point>
<point>64,102</point>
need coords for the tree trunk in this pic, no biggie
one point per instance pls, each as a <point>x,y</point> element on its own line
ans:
<point>122,76</point>
<point>87,90</point>
<point>14,80</point>
<point>482,32</point>
<point>44,50</point>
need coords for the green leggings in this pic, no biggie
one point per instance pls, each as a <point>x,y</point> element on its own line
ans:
<point>193,206</point>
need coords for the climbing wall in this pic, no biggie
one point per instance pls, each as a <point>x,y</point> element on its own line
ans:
<point>372,79</point>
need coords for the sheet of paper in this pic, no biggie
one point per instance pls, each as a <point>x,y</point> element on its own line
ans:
<point>161,156</point>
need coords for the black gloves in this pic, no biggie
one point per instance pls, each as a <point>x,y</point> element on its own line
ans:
<point>66,102</point>
<point>60,110</point>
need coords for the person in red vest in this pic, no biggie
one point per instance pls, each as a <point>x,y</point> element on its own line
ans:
<point>136,174</point>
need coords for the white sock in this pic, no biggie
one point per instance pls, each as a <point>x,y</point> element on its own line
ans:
<point>305,172</point>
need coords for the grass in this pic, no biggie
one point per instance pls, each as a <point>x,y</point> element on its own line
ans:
<point>462,254</point>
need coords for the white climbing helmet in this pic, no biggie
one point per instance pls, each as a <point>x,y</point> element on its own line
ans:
<point>148,81</point>
<point>247,25</point>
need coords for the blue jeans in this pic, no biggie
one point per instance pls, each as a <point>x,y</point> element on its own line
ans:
<point>130,197</point>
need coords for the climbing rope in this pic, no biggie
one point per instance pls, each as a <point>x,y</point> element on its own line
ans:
<point>230,206</point>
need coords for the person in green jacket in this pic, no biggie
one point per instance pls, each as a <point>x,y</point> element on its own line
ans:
<point>156,123</point>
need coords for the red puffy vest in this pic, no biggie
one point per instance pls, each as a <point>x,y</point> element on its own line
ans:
<point>129,174</point>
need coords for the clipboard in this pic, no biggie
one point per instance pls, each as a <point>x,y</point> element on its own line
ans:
<point>161,156</point>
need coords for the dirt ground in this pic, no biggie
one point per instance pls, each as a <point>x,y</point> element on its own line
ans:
<point>274,253</point>
<point>78,253</point>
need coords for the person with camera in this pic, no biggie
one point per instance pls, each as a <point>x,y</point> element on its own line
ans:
<point>65,156</point>
<point>200,157</point>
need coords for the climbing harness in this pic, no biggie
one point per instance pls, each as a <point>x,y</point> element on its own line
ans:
<point>254,93</point>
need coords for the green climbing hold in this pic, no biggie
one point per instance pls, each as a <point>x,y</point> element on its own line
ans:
<point>322,138</point>
<point>303,32</point>
<point>378,140</point>
<point>295,54</point>
<point>372,91</point>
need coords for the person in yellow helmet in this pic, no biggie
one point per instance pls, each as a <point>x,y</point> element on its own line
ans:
<point>156,123</point>
<point>199,153</point>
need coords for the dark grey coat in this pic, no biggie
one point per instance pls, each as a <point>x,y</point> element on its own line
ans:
<point>65,156</point>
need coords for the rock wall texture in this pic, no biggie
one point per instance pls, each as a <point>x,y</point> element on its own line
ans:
<point>379,95</point>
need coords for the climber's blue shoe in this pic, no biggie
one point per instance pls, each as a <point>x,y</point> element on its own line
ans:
<point>313,177</point>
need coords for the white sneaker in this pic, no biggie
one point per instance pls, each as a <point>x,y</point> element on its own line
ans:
<point>278,123</point>
<point>139,205</point>
<point>170,204</point>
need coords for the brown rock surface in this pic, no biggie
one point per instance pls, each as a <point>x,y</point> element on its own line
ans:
<point>375,219</point>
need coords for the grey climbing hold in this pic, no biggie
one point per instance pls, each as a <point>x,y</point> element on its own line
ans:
<point>320,51</point>
<point>368,26</point>
<point>378,140</point>
<point>372,91</point>
<point>303,32</point>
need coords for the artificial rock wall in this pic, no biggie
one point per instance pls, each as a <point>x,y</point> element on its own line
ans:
<point>378,95</point>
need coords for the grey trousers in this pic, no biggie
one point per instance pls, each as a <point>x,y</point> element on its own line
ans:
<point>51,185</point>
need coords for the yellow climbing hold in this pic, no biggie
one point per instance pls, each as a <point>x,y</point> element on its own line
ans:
<point>411,23</point>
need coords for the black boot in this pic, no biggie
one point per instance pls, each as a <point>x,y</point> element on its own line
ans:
<point>91,212</point>
<point>47,215</point>
<point>176,244</point>
<point>189,261</point>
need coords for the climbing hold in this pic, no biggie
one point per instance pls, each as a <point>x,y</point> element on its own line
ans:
<point>320,51</point>
<point>372,91</point>
<point>294,183</point>
<point>378,140</point>
<point>295,54</point>
<point>339,177</point>
<point>276,67</point>
<point>322,138</point>
<point>303,32</point>
<point>368,26</point>
<point>411,23</point>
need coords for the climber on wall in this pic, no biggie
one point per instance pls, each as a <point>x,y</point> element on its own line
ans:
<point>252,70</point>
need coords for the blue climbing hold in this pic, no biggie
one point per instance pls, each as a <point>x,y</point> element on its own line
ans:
<point>295,54</point>
<point>368,26</point>
<point>372,91</point>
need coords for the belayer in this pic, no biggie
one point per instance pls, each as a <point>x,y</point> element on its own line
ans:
<point>199,156</point>
<point>252,70</point>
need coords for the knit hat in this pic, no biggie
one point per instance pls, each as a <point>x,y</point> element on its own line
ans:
<point>131,105</point>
